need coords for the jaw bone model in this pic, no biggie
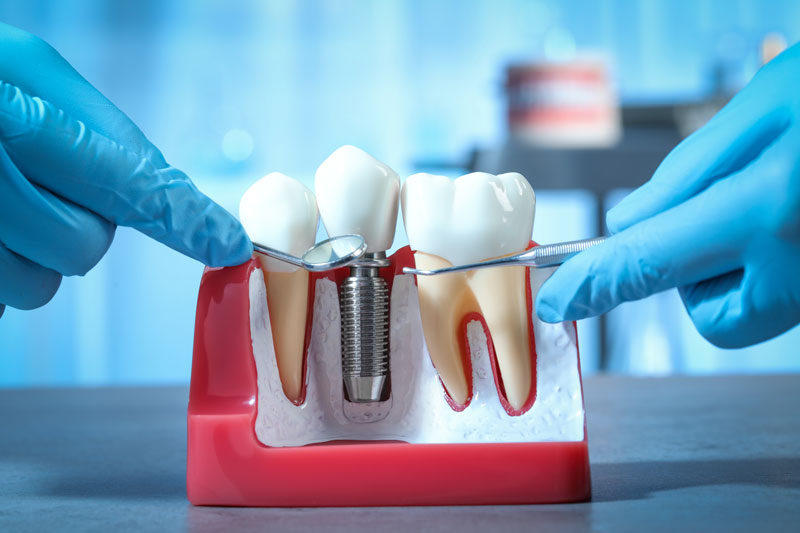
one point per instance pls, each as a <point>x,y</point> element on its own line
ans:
<point>473,372</point>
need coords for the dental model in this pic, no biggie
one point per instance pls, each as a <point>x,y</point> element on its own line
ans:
<point>359,194</point>
<point>281,212</point>
<point>297,396</point>
<point>476,217</point>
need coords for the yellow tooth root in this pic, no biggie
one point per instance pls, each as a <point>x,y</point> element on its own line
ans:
<point>502,296</point>
<point>499,295</point>
<point>443,302</point>
<point>287,299</point>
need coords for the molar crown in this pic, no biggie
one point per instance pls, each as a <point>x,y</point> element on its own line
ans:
<point>476,216</point>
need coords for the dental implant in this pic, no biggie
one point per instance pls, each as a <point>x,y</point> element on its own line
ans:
<point>357,194</point>
<point>364,306</point>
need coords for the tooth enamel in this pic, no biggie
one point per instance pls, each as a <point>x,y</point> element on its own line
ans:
<point>476,217</point>
<point>280,212</point>
<point>358,194</point>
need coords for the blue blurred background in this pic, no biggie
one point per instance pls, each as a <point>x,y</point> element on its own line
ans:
<point>233,90</point>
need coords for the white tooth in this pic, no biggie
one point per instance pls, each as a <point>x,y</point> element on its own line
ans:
<point>358,194</point>
<point>476,217</point>
<point>280,212</point>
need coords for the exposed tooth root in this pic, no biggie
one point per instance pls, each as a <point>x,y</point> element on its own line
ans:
<point>505,309</point>
<point>280,212</point>
<point>443,302</point>
<point>287,299</point>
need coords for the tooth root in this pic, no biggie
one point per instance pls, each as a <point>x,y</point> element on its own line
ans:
<point>287,299</point>
<point>503,303</point>
<point>443,302</point>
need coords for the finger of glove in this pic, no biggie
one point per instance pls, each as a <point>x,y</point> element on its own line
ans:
<point>737,309</point>
<point>696,240</point>
<point>53,79</point>
<point>761,300</point>
<point>46,229</point>
<point>729,142</point>
<point>714,305</point>
<point>23,283</point>
<point>62,155</point>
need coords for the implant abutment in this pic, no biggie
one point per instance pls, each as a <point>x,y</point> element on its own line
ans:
<point>364,303</point>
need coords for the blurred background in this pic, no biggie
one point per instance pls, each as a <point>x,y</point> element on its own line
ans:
<point>584,97</point>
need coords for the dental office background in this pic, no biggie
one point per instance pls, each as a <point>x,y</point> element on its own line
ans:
<point>233,90</point>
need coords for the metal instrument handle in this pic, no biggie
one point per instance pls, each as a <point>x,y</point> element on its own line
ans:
<point>555,254</point>
<point>539,257</point>
<point>277,254</point>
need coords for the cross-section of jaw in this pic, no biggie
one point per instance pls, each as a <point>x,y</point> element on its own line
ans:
<point>475,217</point>
<point>281,213</point>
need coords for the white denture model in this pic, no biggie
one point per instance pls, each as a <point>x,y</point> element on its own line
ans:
<point>455,359</point>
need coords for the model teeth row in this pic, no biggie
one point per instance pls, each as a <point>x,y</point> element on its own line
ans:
<point>475,217</point>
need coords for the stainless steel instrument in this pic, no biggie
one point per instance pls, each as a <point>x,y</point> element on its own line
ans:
<point>539,257</point>
<point>329,254</point>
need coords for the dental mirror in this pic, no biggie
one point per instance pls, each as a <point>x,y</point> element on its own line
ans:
<point>329,254</point>
<point>548,255</point>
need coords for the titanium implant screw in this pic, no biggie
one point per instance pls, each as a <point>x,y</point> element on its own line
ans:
<point>364,304</point>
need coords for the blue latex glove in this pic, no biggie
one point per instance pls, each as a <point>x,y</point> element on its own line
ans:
<point>72,168</point>
<point>720,220</point>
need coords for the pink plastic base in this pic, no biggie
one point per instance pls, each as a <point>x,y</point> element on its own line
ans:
<point>227,465</point>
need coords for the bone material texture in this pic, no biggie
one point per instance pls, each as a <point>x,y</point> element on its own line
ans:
<point>418,412</point>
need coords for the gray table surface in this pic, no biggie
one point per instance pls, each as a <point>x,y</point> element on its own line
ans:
<point>673,454</point>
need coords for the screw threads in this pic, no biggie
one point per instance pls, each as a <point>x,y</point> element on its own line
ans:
<point>364,304</point>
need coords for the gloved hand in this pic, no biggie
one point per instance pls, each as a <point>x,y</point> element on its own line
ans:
<point>72,168</point>
<point>720,220</point>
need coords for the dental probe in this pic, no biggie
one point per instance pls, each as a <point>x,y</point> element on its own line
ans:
<point>539,257</point>
<point>329,254</point>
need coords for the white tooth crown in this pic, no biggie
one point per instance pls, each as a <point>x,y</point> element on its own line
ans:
<point>472,218</point>
<point>280,212</point>
<point>357,193</point>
